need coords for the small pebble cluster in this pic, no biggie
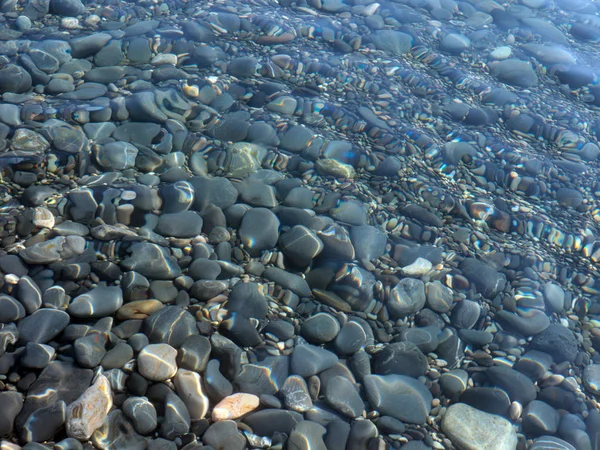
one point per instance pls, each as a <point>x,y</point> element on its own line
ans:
<point>299,224</point>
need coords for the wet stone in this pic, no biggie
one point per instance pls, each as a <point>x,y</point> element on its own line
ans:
<point>307,435</point>
<point>194,353</point>
<point>301,245</point>
<point>341,394</point>
<point>142,414</point>
<point>11,310</point>
<point>177,418</point>
<point>472,429</point>
<point>558,341</point>
<point>189,389</point>
<point>519,387</point>
<point>224,434</point>
<point>89,411</point>
<point>44,423</point>
<point>295,394</point>
<point>369,242</point>
<point>402,358</point>
<point>406,298</point>
<point>320,328</point>
<point>350,339</point>
<point>118,432</point>
<point>99,302</point>
<point>591,378</point>
<point>259,230</point>
<point>37,356</point>
<point>12,403</point>
<point>157,362</point>
<point>181,225</point>
<point>43,325</point>
<point>308,360</point>
<point>234,406</point>
<point>539,418</point>
<point>401,397</point>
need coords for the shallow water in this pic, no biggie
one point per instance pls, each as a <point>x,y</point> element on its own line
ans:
<point>323,224</point>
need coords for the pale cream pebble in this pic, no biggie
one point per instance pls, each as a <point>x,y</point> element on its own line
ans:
<point>88,413</point>
<point>189,388</point>
<point>420,267</point>
<point>70,23</point>
<point>235,406</point>
<point>43,218</point>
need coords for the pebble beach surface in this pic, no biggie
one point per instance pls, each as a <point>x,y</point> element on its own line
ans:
<point>303,225</point>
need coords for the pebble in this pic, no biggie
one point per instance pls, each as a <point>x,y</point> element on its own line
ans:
<point>88,413</point>
<point>234,406</point>
<point>157,362</point>
<point>470,428</point>
<point>399,396</point>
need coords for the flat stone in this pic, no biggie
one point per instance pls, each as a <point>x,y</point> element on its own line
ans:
<point>401,358</point>
<point>399,396</point>
<point>471,429</point>
<point>99,302</point>
<point>235,406</point>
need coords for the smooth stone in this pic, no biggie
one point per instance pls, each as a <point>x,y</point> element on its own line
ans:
<point>301,245</point>
<point>534,364</point>
<point>320,328</point>
<point>99,302</point>
<point>369,242</point>
<point>37,356</point>
<point>118,433</point>
<point>90,349</point>
<point>224,435</point>
<point>471,429</point>
<point>287,280</point>
<point>44,423</point>
<point>194,353</point>
<point>184,224</point>
<point>43,325</point>
<point>399,396</point>
<point>488,281</point>
<point>142,414</point>
<point>11,403</point>
<point>308,360</point>
<point>295,394</point>
<point>58,381</point>
<point>401,358</point>
<point>540,419</point>
<point>591,378</point>
<point>550,443</point>
<point>259,230</point>
<point>518,386</point>
<point>514,72</point>
<point>394,42</point>
<point>53,250</point>
<point>189,388</point>
<point>307,435</point>
<point>88,413</point>
<point>406,298</point>
<point>157,362</point>
<point>216,385</point>
<point>341,394</point>
<point>533,323</point>
<point>266,422</point>
<point>350,339</point>
<point>152,261</point>
<point>177,418</point>
<point>11,310</point>
<point>493,400</point>
<point>234,406</point>
<point>248,300</point>
<point>465,314</point>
